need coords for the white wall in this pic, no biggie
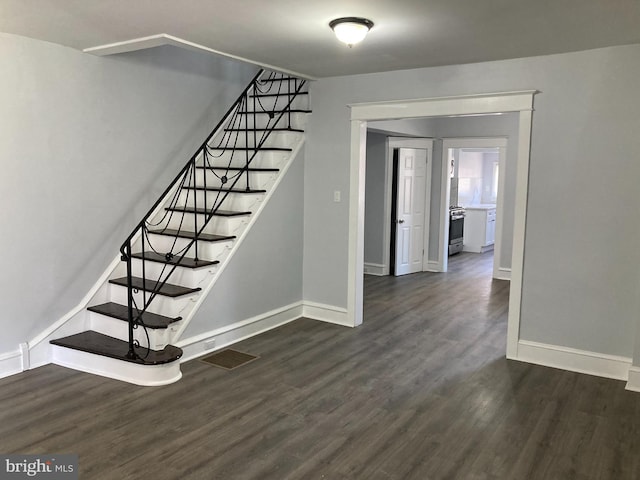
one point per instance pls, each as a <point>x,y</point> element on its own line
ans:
<point>581,247</point>
<point>87,144</point>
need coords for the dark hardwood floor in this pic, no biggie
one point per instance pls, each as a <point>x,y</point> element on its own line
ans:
<point>420,391</point>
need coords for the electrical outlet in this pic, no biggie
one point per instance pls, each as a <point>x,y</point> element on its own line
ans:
<point>336,196</point>
<point>209,344</point>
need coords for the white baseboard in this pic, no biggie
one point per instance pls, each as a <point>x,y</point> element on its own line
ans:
<point>10,363</point>
<point>196,346</point>
<point>503,274</point>
<point>326,313</point>
<point>377,269</point>
<point>633,382</point>
<point>574,360</point>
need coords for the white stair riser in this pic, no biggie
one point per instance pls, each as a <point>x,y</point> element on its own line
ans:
<point>206,250</point>
<point>257,180</point>
<point>158,337</point>
<point>300,102</point>
<point>253,138</point>
<point>170,307</point>
<point>237,158</point>
<point>180,276</point>
<point>223,200</point>
<point>186,277</point>
<point>146,375</point>
<point>298,121</point>
<point>219,225</point>
<point>187,221</point>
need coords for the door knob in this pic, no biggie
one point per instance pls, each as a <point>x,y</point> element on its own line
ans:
<point>400,221</point>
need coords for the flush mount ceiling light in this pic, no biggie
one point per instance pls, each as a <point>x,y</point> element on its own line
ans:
<point>351,30</point>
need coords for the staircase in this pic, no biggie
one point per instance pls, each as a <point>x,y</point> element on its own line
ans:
<point>178,250</point>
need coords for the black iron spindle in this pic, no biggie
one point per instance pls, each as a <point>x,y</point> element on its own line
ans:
<point>131,353</point>
<point>144,269</point>
<point>195,206</point>
<point>205,169</point>
<point>246,138</point>
<point>289,103</point>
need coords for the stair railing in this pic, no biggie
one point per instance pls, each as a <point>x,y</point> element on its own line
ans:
<point>184,187</point>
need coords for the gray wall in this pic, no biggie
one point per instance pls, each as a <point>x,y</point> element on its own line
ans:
<point>374,198</point>
<point>266,271</point>
<point>581,247</point>
<point>87,144</point>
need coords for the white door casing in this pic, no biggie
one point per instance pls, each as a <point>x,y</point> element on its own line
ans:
<point>410,211</point>
<point>445,196</point>
<point>361,113</point>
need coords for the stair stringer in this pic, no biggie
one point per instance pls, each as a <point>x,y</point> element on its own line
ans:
<point>41,352</point>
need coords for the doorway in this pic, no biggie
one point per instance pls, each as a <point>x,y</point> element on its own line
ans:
<point>480,190</point>
<point>407,204</point>
<point>521,102</point>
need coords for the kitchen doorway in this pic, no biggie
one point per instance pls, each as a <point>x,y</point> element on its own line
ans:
<point>478,192</point>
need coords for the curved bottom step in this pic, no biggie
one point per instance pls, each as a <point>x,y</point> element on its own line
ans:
<point>99,354</point>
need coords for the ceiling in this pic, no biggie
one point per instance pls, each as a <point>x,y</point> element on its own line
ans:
<point>294,34</point>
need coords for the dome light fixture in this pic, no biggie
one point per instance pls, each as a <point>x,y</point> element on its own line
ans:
<point>351,30</point>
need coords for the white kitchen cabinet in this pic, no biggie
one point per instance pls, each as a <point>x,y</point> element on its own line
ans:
<point>479,228</point>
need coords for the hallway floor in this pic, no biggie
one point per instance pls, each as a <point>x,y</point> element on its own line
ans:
<point>420,391</point>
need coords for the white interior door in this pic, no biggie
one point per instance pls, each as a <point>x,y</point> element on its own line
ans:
<point>410,214</point>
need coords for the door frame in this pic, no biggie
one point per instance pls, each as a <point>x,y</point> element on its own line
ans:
<point>422,143</point>
<point>445,196</point>
<point>361,113</point>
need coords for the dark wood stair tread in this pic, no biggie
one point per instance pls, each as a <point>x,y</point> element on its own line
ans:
<point>229,190</point>
<point>264,95</point>
<point>205,237</point>
<point>251,149</point>
<point>238,169</point>
<point>280,79</point>
<point>275,112</point>
<point>99,344</point>
<point>186,262</point>
<point>121,312</point>
<point>167,290</point>
<point>285,129</point>
<point>202,210</point>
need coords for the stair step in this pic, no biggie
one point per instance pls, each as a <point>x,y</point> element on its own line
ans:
<point>167,290</point>
<point>279,79</point>
<point>251,149</point>
<point>205,237</point>
<point>184,262</point>
<point>99,344</point>
<point>263,95</point>
<point>285,129</point>
<point>206,211</point>
<point>275,112</point>
<point>121,312</point>
<point>239,169</point>
<point>229,190</point>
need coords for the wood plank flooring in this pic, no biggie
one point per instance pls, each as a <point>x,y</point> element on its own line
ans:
<point>420,391</point>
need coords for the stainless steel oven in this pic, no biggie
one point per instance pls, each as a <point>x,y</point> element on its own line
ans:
<point>456,229</point>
